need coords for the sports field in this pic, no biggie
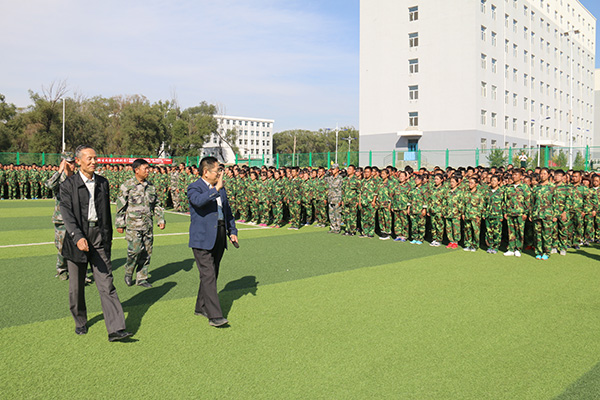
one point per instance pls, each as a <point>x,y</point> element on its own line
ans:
<point>313,315</point>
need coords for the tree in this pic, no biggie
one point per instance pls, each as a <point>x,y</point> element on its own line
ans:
<point>195,126</point>
<point>7,114</point>
<point>496,158</point>
<point>559,160</point>
<point>321,141</point>
<point>579,163</point>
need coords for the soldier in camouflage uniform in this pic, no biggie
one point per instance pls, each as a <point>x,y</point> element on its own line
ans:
<point>542,215</point>
<point>334,199</point>
<point>262,195</point>
<point>350,201</point>
<point>173,186</point>
<point>307,194</point>
<point>67,167</point>
<point>276,196</point>
<point>22,180</point>
<point>2,180</point>
<point>321,198</point>
<point>517,198</point>
<point>563,203</point>
<point>136,205</point>
<point>34,181</point>
<point>493,215</point>
<point>593,230</point>
<point>473,210</point>
<point>435,201</point>
<point>453,210</point>
<point>293,199</point>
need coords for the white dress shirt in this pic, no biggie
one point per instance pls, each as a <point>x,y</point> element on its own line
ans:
<point>91,186</point>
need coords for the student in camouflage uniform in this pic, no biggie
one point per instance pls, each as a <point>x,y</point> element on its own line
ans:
<point>516,210</point>
<point>276,196</point>
<point>2,181</point>
<point>321,198</point>
<point>307,194</point>
<point>493,215</point>
<point>435,201</point>
<point>350,201</point>
<point>334,199</point>
<point>382,202</point>
<point>474,201</point>
<point>563,203</point>
<point>293,200</point>
<point>136,204</point>
<point>174,186</point>
<point>594,216</point>
<point>262,196</point>
<point>581,207</point>
<point>453,210</point>
<point>67,168</point>
<point>367,210</point>
<point>22,180</point>
<point>417,209</point>
<point>12,182</point>
<point>542,215</point>
<point>400,207</point>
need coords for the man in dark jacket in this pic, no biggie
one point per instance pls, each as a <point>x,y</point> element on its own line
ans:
<point>85,208</point>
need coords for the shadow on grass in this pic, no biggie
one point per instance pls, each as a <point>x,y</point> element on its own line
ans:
<point>585,388</point>
<point>584,253</point>
<point>137,306</point>
<point>235,290</point>
<point>169,269</point>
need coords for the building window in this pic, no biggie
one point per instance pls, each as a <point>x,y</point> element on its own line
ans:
<point>525,102</point>
<point>483,144</point>
<point>413,13</point>
<point>483,6</point>
<point>493,12</point>
<point>494,92</point>
<point>413,39</point>
<point>413,118</point>
<point>505,126</point>
<point>413,92</point>
<point>483,34</point>
<point>506,97</point>
<point>514,125</point>
<point>494,65</point>
<point>493,144</point>
<point>483,117</point>
<point>494,120</point>
<point>413,66</point>
<point>515,99</point>
<point>494,39</point>
<point>483,61</point>
<point>483,89</point>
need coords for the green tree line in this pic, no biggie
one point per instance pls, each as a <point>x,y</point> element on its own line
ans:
<point>321,141</point>
<point>117,125</point>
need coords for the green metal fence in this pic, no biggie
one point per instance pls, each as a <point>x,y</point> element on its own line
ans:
<point>585,158</point>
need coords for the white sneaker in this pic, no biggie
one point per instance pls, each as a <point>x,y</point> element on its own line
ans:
<point>553,251</point>
<point>467,249</point>
<point>563,253</point>
<point>517,253</point>
<point>509,253</point>
<point>473,249</point>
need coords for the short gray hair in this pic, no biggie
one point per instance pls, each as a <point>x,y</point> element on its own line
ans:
<point>79,149</point>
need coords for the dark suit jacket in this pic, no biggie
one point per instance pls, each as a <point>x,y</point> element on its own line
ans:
<point>204,215</point>
<point>74,202</point>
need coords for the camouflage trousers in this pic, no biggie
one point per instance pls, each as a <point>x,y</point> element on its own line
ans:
<point>543,236</point>
<point>12,190</point>
<point>350,217</point>
<point>453,229</point>
<point>139,251</point>
<point>516,230</point>
<point>437,228</point>
<point>277,212</point>
<point>262,213</point>
<point>35,190</point>
<point>401,223</point>
<point>59,238</point>
<point>472,232</point>
<point>417,226</point>
<point>577,228</point>
<point>175,198</point>
<point>2,190</point>
<point>308,210</point>
<point>321,212</point>
<point>385,220</point>
<point>560,234</point>
<point>590,228</point>
<point>295,214</point>
<point>493,232</point>
<point>335,216</point>
<point>368,220</point>
<point>23,190</point>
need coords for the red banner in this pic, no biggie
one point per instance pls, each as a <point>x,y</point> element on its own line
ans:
<point>127,160</point>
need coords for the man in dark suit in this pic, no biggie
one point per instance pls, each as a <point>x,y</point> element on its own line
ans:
<point>85,207</point>
<point>211,223</point>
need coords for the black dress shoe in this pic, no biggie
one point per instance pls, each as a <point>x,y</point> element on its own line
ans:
<point>217,321</point>
<point>81,330</point>
<point>119,335</point>
<point>145,284</point>
<point>128,280</point>
<point>201,313</point>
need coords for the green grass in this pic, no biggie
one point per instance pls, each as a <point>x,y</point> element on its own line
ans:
<point>312,315</point>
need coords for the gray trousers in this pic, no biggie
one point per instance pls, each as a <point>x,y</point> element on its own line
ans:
<point>102,270</point>
<point>208,262</point>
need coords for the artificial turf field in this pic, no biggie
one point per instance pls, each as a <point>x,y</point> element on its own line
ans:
<point>313,315</point>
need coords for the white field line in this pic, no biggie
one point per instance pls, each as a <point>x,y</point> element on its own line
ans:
<point>122,237</point>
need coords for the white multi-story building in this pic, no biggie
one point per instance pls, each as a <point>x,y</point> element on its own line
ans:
<point>597,110</point>
<point>254,139</point>
<point>467,74</point>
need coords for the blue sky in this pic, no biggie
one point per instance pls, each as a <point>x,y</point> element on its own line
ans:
<point>292,61</point>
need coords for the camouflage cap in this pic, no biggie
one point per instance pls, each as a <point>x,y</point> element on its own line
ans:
<point>68,156</point>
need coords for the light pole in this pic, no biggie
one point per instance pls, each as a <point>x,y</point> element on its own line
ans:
<point>348,139</point>
<point>337,131</point>
<point>571,44</point>
<point>63,127</point>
